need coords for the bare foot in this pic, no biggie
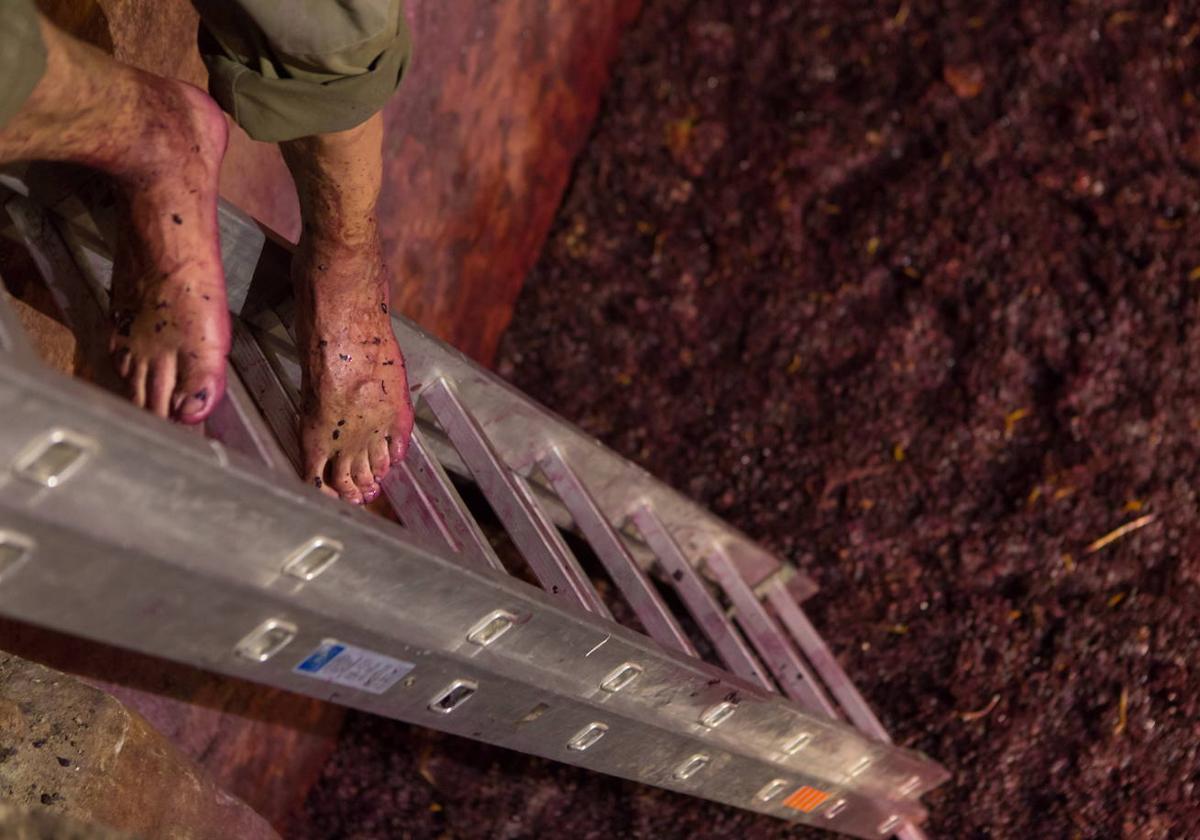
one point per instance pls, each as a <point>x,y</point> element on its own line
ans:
<point>170,314</point>
<point>356,416</point>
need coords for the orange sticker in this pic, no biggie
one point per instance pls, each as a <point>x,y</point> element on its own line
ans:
<point>806,799</point>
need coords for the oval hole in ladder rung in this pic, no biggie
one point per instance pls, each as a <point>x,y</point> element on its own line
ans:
<point>313,558</point>
<point>714,716</point>
<point>771,789</point>
<point>620,677</point>
<point>797,743</point>
<point>691,766</point>
<point>494,625</point>
<point>587,736</point>
<point>53,458</point>
<point>453,696</point>
<point>836,809</point>
<point>266,640</point>
<point>15,550</point>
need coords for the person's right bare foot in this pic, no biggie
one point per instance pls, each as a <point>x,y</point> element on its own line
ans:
<point>170,315</point>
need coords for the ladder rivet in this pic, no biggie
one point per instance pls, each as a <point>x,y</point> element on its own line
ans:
<point>53,458</point>
<point>14,551</point>
<point>491,627</point>
<point>313,558</point>
<point>691,766</point>
<point>620,677</point>
<point>714,716</point>
<point>587,736</point>
<point>266,640</point>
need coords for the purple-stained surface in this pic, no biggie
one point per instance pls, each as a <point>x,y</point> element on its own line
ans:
<point>907,291</point>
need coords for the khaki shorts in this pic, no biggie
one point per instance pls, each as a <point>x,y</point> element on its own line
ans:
<point>282,68</point>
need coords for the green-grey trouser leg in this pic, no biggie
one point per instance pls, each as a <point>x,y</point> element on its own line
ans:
<point>282,68</point>
<point>292,68</point>
<point>22,55</point>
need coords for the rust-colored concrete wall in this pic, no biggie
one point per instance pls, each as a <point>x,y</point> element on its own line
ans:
<point>479,149</point>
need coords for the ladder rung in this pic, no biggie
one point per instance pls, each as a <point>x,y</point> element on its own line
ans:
<point>534,535</point>
<point>422,495</point>
<point>768,638</point>
<point>237,424</point>
<point>81,301</point>
<point>713,622</point>
<point>267,391</point>
<point>639,592</point>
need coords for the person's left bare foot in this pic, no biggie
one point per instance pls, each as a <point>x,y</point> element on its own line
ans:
<point>356,415</point>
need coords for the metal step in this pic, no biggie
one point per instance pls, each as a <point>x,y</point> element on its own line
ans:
<point>118,527</point>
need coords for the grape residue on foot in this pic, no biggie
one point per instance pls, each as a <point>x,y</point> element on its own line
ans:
<point>356,415</point>
<point>170,316</point>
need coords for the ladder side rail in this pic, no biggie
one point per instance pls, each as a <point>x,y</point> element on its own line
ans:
<point>433,602</point>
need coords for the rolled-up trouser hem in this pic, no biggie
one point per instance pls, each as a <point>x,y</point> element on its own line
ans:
<point>22,55</point>
<point>285,69</point>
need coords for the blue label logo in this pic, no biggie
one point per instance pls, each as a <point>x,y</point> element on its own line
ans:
<point>320,657</point>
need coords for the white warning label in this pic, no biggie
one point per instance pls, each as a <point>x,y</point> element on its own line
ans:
<point>338,662</point>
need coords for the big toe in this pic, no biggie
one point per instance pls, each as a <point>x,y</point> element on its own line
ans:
<point>197,392</point>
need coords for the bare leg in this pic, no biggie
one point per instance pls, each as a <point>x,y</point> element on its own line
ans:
<point>162,141</point>
<point>357,416</point>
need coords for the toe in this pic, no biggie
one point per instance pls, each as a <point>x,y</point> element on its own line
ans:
<point>137,381</point>
<point>161,385</point>
<point>314,469</point>
<point>343,483</point>
<point>377,453</point>
<point>122,360</point>
<point>361,471</point>
<point>397,439</point>
<point>198,391</point>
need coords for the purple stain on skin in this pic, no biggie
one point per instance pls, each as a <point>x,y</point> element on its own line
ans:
<point>389,363</point>
<point>201,395</point>
<point>176,218</point>
<point>342,422</point>
<point>162,304</point>
<point>336,434</point>
<point>318,483</point>
<point>383,308</point>
<point>322,343</point>
<point>159,326</point>
<point>343,357</point>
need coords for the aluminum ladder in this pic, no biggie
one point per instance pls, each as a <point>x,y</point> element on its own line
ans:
<point>118,527</point>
